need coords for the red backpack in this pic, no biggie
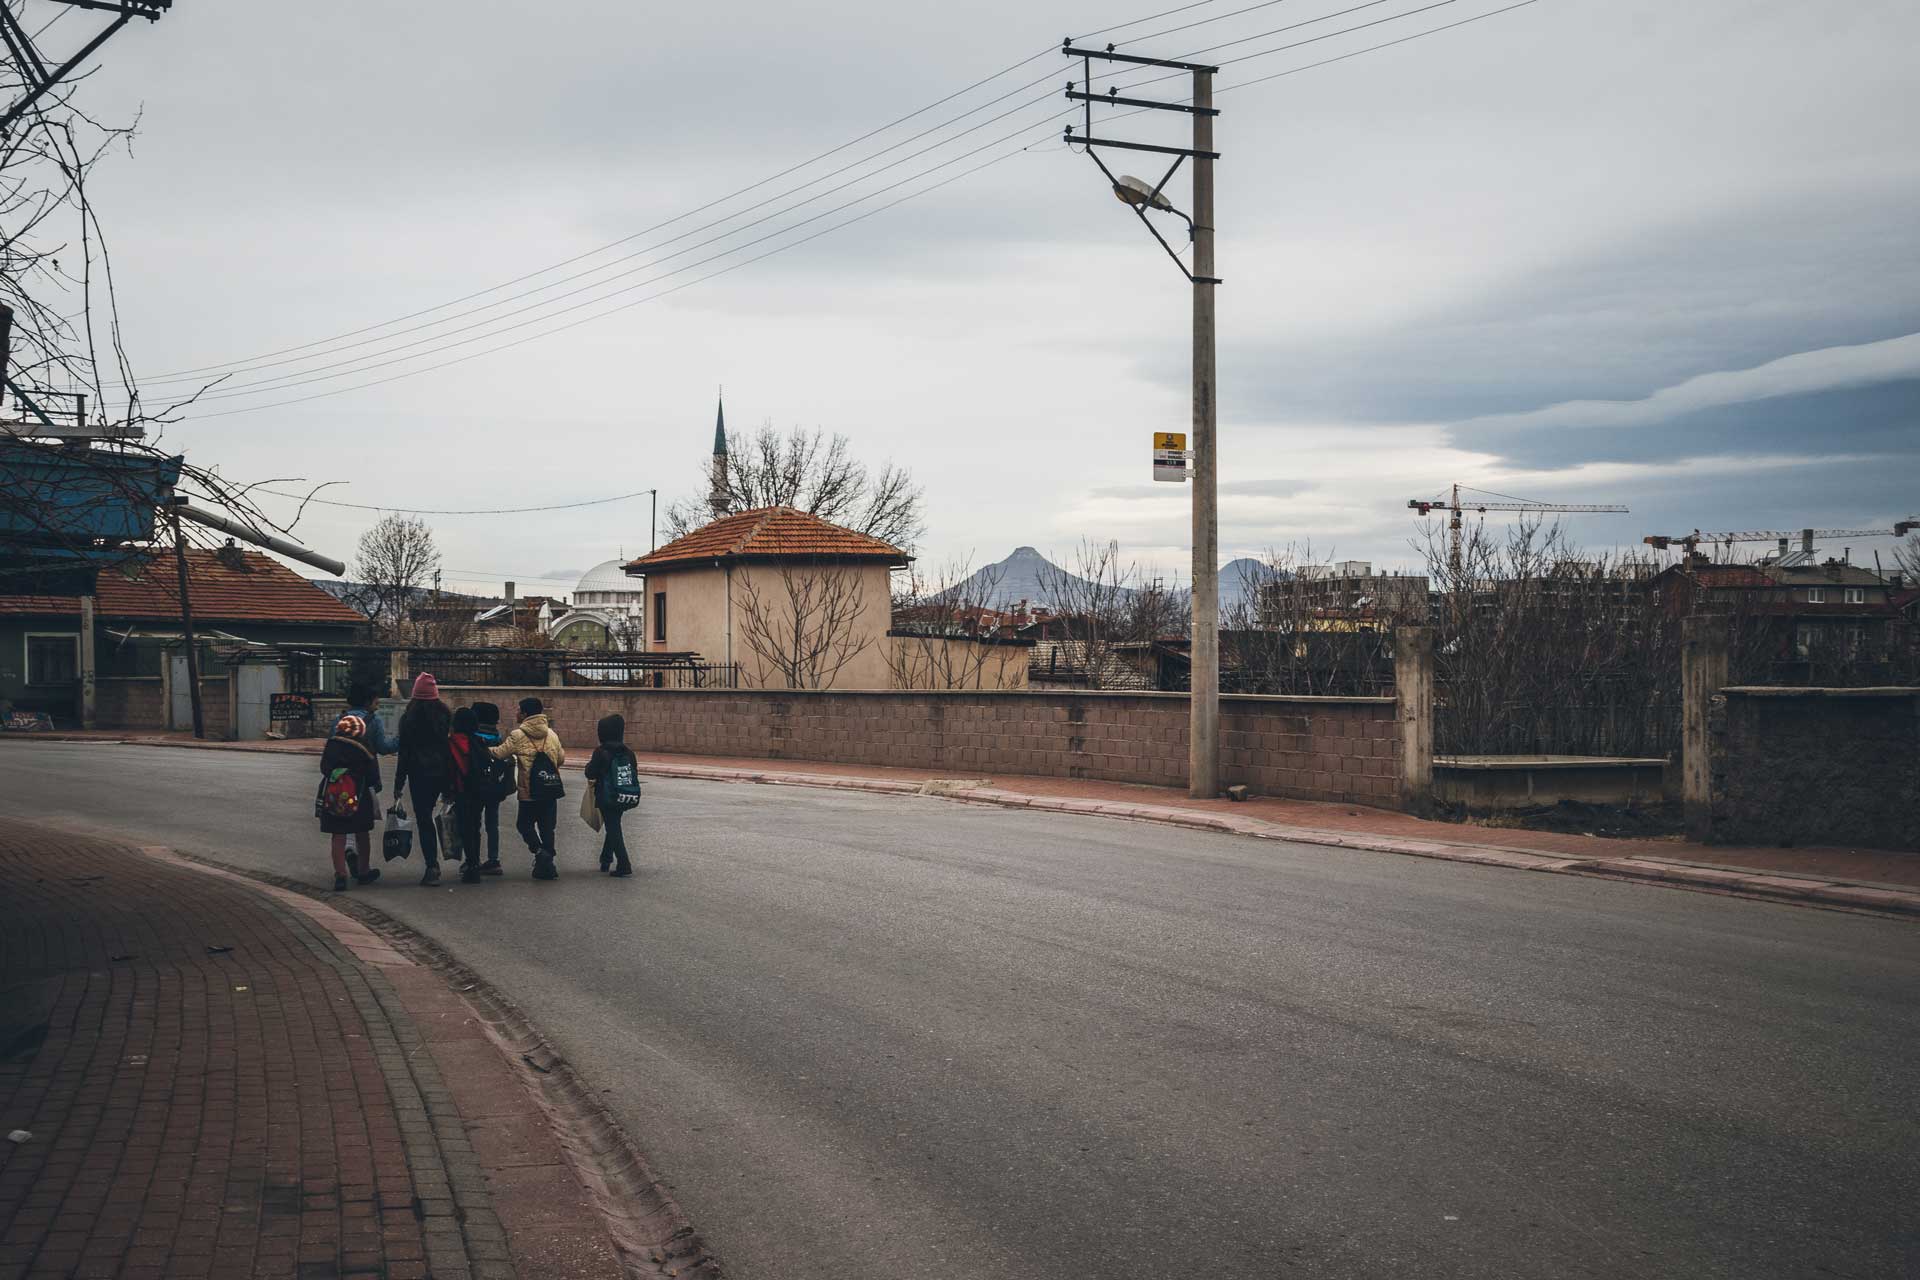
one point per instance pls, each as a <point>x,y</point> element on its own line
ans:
<point>341,796</point>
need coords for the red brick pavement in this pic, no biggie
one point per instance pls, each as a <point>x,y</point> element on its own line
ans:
<point>216,1086</point>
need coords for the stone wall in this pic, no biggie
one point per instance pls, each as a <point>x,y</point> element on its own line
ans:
<point>1817,767</point>
<point>1344,749</point>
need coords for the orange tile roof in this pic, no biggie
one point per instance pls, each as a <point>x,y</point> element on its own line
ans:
<point>145,589</point>
<point>770,533</point>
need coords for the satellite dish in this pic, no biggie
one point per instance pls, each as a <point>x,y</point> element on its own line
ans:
<point>1135,192</point>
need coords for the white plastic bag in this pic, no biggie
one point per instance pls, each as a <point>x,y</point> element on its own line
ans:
<point>398,842</point>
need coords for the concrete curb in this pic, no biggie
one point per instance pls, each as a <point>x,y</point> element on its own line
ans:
<point>1791,890</point>
<point>1804,891</point>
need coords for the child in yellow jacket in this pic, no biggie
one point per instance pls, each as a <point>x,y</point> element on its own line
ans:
<point>535,748</point>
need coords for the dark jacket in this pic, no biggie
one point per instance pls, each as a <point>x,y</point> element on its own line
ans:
<point>357,757</point>
<point>613,730</point>
<point>423,748</point>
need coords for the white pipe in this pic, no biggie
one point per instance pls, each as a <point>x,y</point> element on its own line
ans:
<point>234,528</point>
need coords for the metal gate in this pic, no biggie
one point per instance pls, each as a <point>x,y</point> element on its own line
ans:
<point>259,681</point>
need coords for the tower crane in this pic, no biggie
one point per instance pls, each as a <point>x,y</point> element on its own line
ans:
<point>1502,502</point>
<point>1690,542</point>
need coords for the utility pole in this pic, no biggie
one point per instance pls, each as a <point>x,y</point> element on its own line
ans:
<point>1203,737</point>
<point>186,626</point>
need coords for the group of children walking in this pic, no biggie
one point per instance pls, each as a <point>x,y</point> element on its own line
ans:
<point>461,757</point>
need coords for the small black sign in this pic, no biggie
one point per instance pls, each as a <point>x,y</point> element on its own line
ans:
<point>290,706</point>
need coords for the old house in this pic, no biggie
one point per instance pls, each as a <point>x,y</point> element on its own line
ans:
<point>241,600</point>
<point>791,600</point>
<point>1805,612</point>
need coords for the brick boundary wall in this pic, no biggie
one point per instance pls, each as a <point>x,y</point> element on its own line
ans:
<point>1816,767</point>
<point>1340,749</point>
<point>130,702</point>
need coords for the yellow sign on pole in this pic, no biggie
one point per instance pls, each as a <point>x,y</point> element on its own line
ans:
<point>1169,439</point>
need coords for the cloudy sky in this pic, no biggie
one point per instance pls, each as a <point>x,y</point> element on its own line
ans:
<point>1587,250</point>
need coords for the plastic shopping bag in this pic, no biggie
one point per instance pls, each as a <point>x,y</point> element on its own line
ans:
<point>398,842</point>
<point>447,827</point>
<point>589,811</point>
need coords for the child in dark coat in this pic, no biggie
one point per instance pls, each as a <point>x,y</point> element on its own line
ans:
<point>467,787</point>
<point>487,735</point>
<point>611,752</point>
<point>348,800</point>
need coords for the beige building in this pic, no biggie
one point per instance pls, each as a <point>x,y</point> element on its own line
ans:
<point>790,599</point>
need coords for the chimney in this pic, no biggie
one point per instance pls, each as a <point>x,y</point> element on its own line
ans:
<point>509,593</point>
<point>1806,541</point>
<point>1783,548</point>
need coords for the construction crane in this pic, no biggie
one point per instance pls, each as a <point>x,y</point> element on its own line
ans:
<point>1690,542</point>
<point>1503,502</point>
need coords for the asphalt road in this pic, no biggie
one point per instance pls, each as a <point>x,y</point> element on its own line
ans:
<point>881,1037</point>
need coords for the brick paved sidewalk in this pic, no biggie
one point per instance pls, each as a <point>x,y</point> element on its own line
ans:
<point>219,1084</point>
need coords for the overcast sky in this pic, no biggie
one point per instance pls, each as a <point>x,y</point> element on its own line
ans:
<point>1588,250</point>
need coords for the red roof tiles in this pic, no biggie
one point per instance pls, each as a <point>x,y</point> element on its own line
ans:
<point>146,590</point>
<point>768,533</point>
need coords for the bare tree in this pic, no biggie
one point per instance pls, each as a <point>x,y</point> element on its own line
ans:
<point>1092,602</point>
<point>945,629</point>
<point>815,473</point>
<point>1906,557</point>
<point>396,560</point>
<point>803,620</point>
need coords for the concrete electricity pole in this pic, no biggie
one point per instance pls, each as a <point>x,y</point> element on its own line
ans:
<point>1203,746</point>
<point>1203,743</point>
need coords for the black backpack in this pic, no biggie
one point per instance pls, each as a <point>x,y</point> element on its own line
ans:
<point>495,776</point>
<point>543,778</point>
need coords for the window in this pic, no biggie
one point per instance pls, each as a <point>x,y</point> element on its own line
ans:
<point>1816,595</point>
<point>1856,595</point>
<point>53,659</point>
<point>659,617</point>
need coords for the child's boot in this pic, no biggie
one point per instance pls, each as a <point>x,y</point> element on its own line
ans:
<point>621,867</point>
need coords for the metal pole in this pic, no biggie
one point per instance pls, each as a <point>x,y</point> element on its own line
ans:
<point>1203,756</point>
<point>186,626</point>
<point>89,686</point>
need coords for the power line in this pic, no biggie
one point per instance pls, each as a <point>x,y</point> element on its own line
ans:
<point>735,266</point>
<point>572,324</point>
<point>614,244</point>
<point>307,378</point>
<point>357,363</point>
<point>190,374</point>
<point>1326,62</point>
<point>606,279</point>
<point>433,511</point>
<point>1200,22</point>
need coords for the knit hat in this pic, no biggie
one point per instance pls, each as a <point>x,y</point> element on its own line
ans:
<point>351,727</point>
<point>426,688</point>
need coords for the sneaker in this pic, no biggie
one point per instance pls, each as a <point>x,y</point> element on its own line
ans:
<point>543,868</point>
<point>606,863</point>
<point>431,876</point>
<point>339,884</point>
<point>622,869</point>
<point>492,867</point>
<point>368,876</point>
<point>470,874</point>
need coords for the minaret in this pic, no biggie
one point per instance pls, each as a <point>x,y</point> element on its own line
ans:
<point>718,498</point>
